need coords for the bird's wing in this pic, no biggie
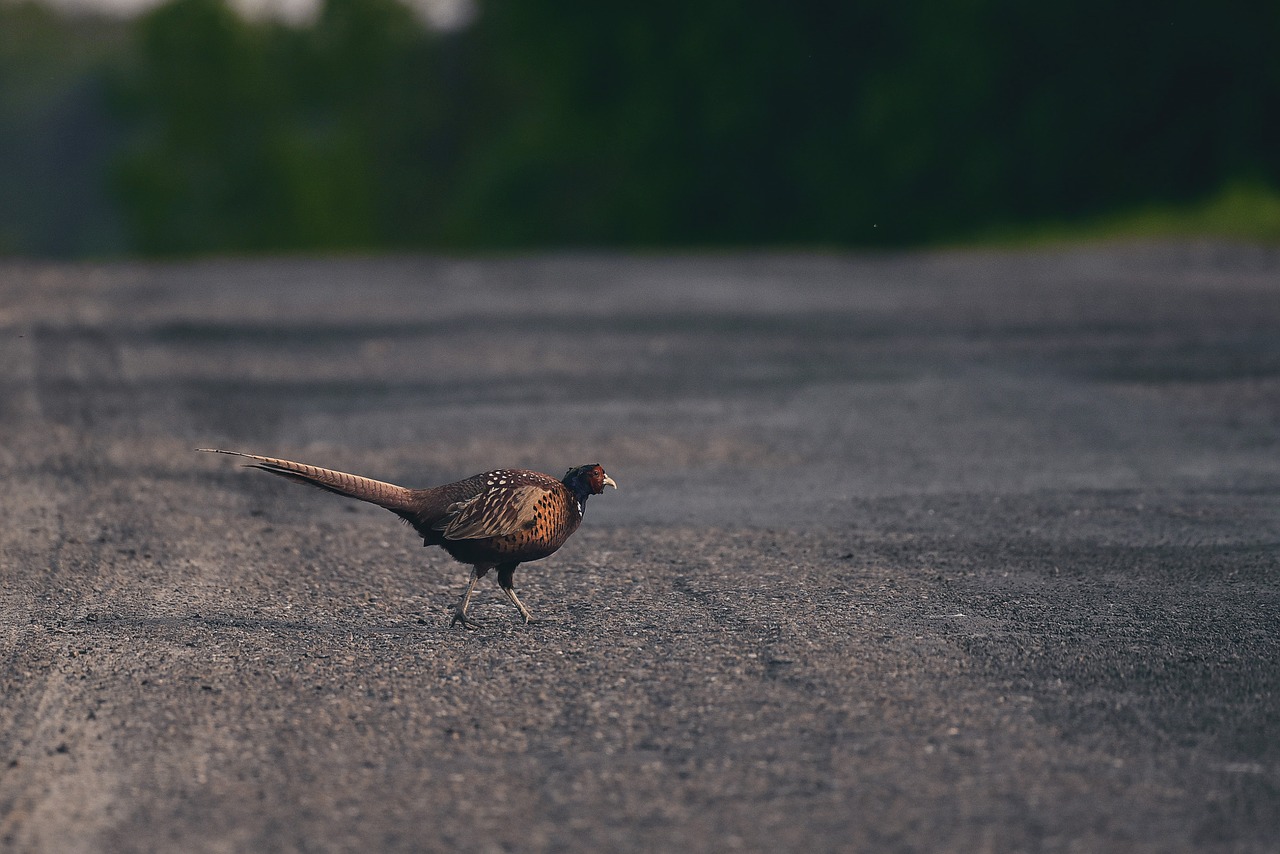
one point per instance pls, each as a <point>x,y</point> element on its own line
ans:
<point>496,512</point>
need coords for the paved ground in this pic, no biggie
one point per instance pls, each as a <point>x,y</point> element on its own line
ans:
<point>951,552</point>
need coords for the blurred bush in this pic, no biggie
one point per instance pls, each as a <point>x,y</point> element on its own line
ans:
<point>254,137</point>
<point>562,122</point>
<point>56,133</point>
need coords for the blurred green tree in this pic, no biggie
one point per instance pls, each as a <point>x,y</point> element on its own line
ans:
<point>56,133</point>
<point>663,122</point>
<point>198,170</point>
<point>253,137</point>
<point>714,123</point>
<point>722,122</point>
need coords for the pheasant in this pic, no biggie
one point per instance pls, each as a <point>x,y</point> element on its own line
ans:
<point>494,520</point>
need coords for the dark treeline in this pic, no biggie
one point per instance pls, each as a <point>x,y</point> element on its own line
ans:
<point>676,123</point>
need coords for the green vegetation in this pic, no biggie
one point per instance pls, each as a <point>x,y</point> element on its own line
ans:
<point>56,133</point>
<point>568,123</point>
<point>254,137</point>
<point>1242,211</point>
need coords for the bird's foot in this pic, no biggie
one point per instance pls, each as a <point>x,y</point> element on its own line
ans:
<point>467,622</point>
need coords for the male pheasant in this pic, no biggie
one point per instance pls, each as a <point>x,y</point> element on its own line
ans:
<point>494,520</point>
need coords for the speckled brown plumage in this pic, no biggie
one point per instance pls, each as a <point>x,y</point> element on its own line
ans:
<point>494,520</point>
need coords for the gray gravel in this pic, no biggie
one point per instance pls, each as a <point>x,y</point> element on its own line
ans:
<point>942,552</point>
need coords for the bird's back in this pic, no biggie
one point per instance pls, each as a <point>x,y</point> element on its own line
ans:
<point>497,516</point>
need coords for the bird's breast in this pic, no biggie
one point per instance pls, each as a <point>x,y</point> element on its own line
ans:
<point>555,517</point>
<point>554,520</point>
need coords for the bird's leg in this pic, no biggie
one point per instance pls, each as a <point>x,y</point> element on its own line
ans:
<point>506,578</point>
<point>460,611</point>
<point>515,600</point>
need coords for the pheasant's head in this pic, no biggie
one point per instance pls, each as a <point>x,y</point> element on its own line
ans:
<point>587,480</point>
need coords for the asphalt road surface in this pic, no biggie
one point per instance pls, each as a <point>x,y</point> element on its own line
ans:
<point>940,552</point>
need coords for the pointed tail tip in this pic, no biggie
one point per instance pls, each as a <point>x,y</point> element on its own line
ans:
<point>221,451</point>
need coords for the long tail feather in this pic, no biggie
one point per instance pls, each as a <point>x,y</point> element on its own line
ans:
<point>397,499</point>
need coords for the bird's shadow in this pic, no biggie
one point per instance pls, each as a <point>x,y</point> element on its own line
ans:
<point>100,623</point>
<point>433,625</point>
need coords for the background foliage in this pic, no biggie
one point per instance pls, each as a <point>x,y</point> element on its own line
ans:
<point>562,122</point>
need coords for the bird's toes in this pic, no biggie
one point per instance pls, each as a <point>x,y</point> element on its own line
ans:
<point>467,622</point>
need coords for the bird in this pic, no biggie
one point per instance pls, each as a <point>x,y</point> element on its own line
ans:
<point>493,520</point>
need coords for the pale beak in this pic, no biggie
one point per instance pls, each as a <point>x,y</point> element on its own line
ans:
<point>608,481</point>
